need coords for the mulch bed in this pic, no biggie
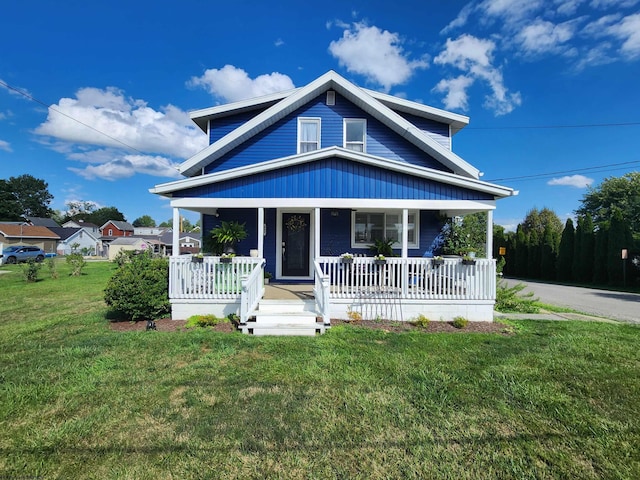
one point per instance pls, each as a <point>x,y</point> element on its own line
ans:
<point>168,325</point>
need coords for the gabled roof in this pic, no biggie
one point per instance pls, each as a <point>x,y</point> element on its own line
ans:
<point>167,189</point>
<point>299,97</point>
<point>124,226</point>
<point>26,231</point>
<point>128,241</point>
<point>79,224</point>
<point>65,233</point>
<point>42,222</point>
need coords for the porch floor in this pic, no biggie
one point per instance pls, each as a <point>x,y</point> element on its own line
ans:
<point>288,291</point>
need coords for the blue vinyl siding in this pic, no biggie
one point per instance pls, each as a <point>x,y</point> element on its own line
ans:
<point>219,127</point>
<point>280,139</point>
<point>334,178</point>
<point>436,130</point>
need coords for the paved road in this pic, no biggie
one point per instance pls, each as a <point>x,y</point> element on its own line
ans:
<point>604,303</point>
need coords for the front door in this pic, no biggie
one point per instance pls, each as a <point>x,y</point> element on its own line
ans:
<point>295,244</point>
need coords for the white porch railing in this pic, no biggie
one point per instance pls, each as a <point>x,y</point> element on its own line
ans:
<point>209,279</point>
<point>410,278</point>
<point>321,293</point>
<point>252,292</point>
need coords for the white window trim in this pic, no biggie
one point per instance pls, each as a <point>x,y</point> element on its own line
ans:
<point>396,245</point>
<point>315,120</point>
<point>364,132</point>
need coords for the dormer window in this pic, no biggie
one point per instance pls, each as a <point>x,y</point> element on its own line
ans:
<point>308,134</point>
<point>355,130</point>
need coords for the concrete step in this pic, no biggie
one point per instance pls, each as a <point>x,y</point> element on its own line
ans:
<point>287,306</point>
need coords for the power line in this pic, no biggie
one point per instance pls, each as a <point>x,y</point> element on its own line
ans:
<point>51,107</point>
<point>608,167</point>
<point>539,127</point>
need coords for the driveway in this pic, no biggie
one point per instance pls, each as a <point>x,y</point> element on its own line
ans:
<point>604,303</point>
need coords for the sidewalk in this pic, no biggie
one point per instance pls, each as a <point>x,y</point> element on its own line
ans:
<point>546,315</point>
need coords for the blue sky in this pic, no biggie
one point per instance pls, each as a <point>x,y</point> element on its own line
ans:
<point>550,86</point>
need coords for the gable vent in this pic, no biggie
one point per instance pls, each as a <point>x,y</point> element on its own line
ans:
<point>331,97</point>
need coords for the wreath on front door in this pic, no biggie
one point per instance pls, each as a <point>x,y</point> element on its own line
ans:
<point>296,223</point>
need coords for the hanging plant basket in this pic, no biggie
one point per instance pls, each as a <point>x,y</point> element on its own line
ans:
<point>346,259</point>
<point>468,261</point>
<point>380,262</point>
<point>436,262</point>
<point>226,259</point>
<point>195,259</point>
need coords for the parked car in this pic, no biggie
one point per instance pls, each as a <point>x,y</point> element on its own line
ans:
<point>21,253</point>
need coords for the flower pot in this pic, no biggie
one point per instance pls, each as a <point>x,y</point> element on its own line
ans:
<point>437,262</point>
<point>197,259</point>
<point>468,262</point>
<point>380,262</point>
<point>346,260</point>
<point>225,259</point>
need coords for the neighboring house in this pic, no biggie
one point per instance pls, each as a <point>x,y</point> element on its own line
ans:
<point>42,222</point>
<point>149,230</point>
<point>325,169</point>
<point>115,228</point>
<point>127,244</point>
<point>13,234</point>
<point>76,240</point>
<point>89,227</point>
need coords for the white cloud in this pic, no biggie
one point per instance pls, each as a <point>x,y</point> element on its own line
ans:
<point>232,84</point>
<point>74,127</point>
<point>456,92</point>
<point>474,56</point>
<point>279,42</point>
<point>628,31</point>
<point>568,7</point>
<point>603,4</point>
<point>15,91</point>
<point>128,165</point>
<point>577,181</point>
<point>510,12</point>
<point>542,36</point>
<point>461,19</point>
<point>5,146</point>
<point>376,54</point>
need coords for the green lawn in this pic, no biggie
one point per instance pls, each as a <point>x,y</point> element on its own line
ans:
<point>555,400</point>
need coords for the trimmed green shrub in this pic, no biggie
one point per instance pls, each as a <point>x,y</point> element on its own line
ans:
<point>140,288</point>
<point>30,270</point>
<point>509,300</point>
<point>77,262</point>
<point>460,322</point>
<point>421,321</point>
<point>52,267</point>
<point>205,321</point>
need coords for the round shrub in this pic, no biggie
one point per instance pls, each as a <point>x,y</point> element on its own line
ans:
<point>140,288</point>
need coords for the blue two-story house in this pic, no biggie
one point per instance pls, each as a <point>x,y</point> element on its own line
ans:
<point>320,171</point>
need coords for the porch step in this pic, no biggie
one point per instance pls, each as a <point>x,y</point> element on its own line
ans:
<point>285,317</point>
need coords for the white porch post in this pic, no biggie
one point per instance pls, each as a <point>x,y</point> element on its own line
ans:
<point>405,251</point>
<point>176,232</point>
<point>316,231</point>
<point>405,233</point>
<point>489,234</point>
<point>261,232</point>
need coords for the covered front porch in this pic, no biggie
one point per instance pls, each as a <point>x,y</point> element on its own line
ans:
<point>361,287</point>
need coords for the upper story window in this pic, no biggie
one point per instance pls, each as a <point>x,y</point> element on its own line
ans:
<point>355,133</point>
<point>308,134</point>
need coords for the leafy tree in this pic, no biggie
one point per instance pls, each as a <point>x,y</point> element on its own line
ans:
<point>566,252</point>
<point>24,196</point>
<point>167,224</point>
<point>144,221</point>
<point>522,253</point>
<point>588,249</point>
<point>465,235</point>
<point>537,221</point>
<point>103,215</point>
<point>533,254</point>
<point>548,254</point>
<point>621,193</point>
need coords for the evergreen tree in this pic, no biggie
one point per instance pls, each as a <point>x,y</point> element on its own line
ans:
<point>522,251</point>
<point>587,254</point>
<point>533,255</point>
<point>576,268</point>
<point>565,252</point>
<point>548,254</point>
<point>600,273</point>
<point>619,238</point>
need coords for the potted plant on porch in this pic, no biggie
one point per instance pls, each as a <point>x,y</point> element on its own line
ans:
<point>346,258</point>
<point>437,261</point>
<point>228,234</point>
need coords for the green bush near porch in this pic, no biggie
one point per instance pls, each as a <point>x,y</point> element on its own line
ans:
<point>78,400</point>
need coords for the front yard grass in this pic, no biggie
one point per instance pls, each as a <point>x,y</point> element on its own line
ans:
<point>77,400</point>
